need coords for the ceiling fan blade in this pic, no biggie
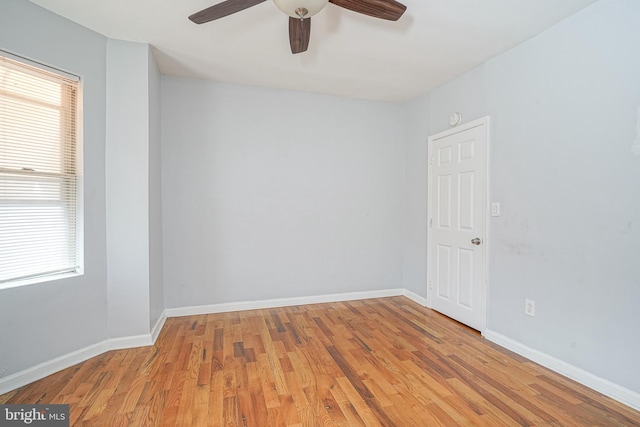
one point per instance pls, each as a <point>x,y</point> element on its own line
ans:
<point>223,9</point>
<point>299,34</point>
<point>384,9</point>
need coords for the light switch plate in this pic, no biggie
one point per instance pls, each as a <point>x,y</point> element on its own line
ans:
<point>495,209</point>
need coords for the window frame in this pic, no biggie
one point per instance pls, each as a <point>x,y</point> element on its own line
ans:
<point>75,227</point>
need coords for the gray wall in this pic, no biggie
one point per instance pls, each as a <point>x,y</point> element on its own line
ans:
<point>156,281</point>
<point>275,194</point>
<point>563,109</point>
<point>134,217</point>
<point>43,321</point>
<point>127,168</point>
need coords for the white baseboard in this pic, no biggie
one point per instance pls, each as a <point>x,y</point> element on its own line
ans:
<point>606,387</point>
<point>52,366</point>
<point>134,341</point>
<point>155,331</point>
<point>415,297</point>
<point>279,302</point>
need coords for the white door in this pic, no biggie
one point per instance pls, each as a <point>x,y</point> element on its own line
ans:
<point>457,206</point>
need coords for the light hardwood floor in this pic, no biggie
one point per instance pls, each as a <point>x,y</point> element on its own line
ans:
<point>378,362</point>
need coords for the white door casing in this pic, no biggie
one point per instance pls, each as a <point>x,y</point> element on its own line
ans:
<point>457,206</point>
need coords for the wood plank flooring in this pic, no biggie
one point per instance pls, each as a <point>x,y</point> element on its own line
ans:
<point>378,362</point>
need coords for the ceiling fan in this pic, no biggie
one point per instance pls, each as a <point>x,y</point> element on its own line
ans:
<point>300,13</point>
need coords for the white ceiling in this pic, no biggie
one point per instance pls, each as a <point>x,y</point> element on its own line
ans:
<point>349,54</point>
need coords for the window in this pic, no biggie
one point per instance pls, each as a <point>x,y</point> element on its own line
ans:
<point>39,179</point>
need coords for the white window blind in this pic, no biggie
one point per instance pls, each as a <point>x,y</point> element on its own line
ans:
<point>39,147</point>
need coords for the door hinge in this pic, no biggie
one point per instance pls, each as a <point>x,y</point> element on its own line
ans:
<point>431,160</point>
<point>430,285</point>
<point>430,222</point>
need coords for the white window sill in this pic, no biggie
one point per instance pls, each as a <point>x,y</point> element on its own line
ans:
<point>40,279</point>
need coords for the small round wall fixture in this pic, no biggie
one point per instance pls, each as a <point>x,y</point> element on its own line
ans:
<point>455,119</point>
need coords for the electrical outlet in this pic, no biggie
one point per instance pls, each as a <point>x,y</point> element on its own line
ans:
<point>530,307</point>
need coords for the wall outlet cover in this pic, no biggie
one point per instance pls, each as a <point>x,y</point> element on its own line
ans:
<point>530,307</point>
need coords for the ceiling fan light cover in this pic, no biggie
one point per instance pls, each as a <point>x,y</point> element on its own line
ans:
<point>290,7</point>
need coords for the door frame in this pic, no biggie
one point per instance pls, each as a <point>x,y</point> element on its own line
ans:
<point>481,122</point>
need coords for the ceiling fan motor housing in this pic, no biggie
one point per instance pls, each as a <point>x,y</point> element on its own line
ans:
<point>296,8</point>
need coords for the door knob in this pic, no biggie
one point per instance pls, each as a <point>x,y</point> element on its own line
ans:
<point>476,241</point>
